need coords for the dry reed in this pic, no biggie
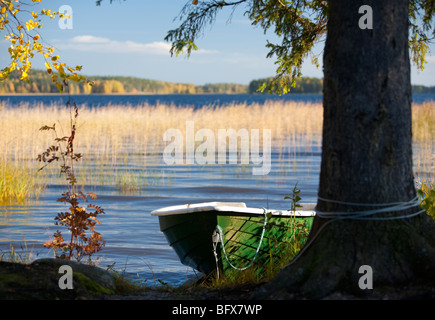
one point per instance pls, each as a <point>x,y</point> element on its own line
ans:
<point>110,135</point>
<point>108,132</point>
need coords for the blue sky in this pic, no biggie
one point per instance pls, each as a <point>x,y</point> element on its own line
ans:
<point>126,38</point>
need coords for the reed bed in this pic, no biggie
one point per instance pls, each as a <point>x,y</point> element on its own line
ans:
<point>109,132</point>
<point>114,135</point>
<point>111,136</point>
<point>423,122</point>
<point>423,125</point>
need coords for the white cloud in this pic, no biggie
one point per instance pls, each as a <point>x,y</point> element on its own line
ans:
<point>106,45</point>
<point>100,44</point>
<point>90,39</point>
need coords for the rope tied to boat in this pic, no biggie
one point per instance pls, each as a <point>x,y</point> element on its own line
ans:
<point>218,236</point>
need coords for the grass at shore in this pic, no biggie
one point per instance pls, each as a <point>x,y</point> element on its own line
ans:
<point>17,184</point>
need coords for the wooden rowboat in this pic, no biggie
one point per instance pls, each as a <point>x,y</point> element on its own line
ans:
<point>220,235</point>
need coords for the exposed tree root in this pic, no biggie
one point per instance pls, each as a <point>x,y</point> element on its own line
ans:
<point>401,253</point>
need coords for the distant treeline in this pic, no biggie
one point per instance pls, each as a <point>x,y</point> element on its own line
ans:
<point>315,85</point>
<point>303,85</point>
<point>41,83</point>
<point>423,89</point>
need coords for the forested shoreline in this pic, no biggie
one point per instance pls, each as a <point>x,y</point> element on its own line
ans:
<point>41,83</point>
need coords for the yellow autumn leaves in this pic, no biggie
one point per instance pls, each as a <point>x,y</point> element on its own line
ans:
<point>24,44</point>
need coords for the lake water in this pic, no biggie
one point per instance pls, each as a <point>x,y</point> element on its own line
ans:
<point>196,101</point>
<point>134,242</point>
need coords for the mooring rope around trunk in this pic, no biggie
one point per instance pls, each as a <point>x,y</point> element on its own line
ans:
<point>218,236</point>
<point>368,214</point>
<point>361,215</point>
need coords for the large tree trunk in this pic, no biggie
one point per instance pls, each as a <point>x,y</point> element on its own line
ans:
<point>366,158</point>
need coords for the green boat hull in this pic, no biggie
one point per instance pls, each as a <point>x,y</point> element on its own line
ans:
<point>190,237</point>
<point>242,238</point>
<point>244,246</point>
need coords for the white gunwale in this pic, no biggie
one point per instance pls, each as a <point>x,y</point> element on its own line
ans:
<point>232,207</point>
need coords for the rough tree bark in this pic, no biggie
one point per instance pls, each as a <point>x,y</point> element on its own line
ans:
<point>366,158</point>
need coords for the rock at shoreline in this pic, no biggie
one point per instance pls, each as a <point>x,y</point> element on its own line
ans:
<point>40,280</point>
